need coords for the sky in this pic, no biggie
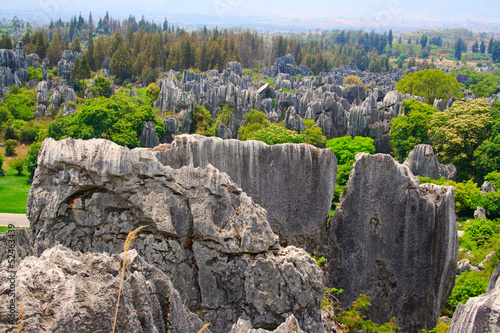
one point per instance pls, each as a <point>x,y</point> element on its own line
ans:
<point>312,13</point>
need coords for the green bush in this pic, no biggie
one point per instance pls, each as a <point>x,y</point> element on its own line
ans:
<point>1,161</point>
<point>491,202</point>
<point>10,147</point>
<point>18,165</point>
<point>202,121</point>
<point>35,74</point>
<point>152,92</point>
<point>224,117</point>
<point>467,285</point>
<point>31,158</point>
<point>256,120</point>
<point>480,230</point>
<point>102,86</point>
<point>277,133</point>
<point>313,134</point>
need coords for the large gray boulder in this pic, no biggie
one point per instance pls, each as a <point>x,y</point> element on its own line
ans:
<point>66,291</point>
<point>291,325</point>
<point>148,136</point>
<point>423,162</point>
<point>395,241</point>
<point>15,245</point>
<point>293,182</point>
<point>203,231</point>
<point>481,314</point>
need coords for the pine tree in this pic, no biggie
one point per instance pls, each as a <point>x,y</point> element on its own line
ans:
<point>6,42</point>
<point>90,52</point>
<point>390,38</point>
<point>482,47</point>
<point>490,46</point>
<point>116,42</point>
<point>121,63</point>
<point>74,70</point>
<point>76,46</point>
<point>83,69</point>
<point>475,47</point>
<point>55,50</point>
<point>99,52</point>
<point>458,49</point>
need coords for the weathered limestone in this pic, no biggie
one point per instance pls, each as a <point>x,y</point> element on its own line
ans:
<point>291,325</point>
<point>394,240</point>
<point>66,291</point>
<point>294,183</point>
<point>203,231</point>
<point>424,163</point>
<point>481,314</point>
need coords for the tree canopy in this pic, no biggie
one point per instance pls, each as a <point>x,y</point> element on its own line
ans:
<point>431,84</point>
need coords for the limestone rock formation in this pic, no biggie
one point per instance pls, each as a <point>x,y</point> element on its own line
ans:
<point>148,136</point>
<point>66,291</point>
<point>480,213</point>
<point>488,187</point>
<point>291,325</point>
<point>424,163</point>
<point>203,231</point>
<point>18,241</point>
<point>481,314</point>
<point>294,183</point>
<point>65,65</point>
<point>13,66</point>
<point>395,241</point>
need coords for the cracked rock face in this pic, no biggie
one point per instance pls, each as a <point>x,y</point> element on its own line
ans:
<point>66,291</point>
<point>203,231</point>
<point>479,314</point>
<point>395,241</point>
<point>293,182</point>
<point>423,162</point>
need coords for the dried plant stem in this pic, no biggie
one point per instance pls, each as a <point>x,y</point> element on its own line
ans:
<point>204,327</point>
<point>130,238</point>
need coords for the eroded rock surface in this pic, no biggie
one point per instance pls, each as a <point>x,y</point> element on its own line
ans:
<point>423,162</point>
<point>203,231</point>
<point>294,183</point>
<point>481,314</point>
<point>66,291</point>
<point>395,241</point>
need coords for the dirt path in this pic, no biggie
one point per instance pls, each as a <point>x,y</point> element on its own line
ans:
<point>19,220</point>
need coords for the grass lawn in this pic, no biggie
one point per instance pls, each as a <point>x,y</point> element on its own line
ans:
<point>13,192</point>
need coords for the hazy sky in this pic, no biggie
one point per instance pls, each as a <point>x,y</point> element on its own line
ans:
<point>378,12</point>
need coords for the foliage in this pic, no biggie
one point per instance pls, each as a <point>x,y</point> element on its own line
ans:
<point>256,120</point>
<point>118,119</point>
<point>352,80</point>
<point>354,320</point>
<point>121,63</point>
<point>313,134</point>
<point>346,148</point>
<point>491,202</point>
<point>468,195</point>
<point>35,74</point>
<point>270,82</point>
<point>102,86</point>
<point>277,133</point>
<point>457,132</point>
<point>410,129</point>
<point>431,84</point>
<point>202,121</point>
<point>10,147</point>
<point>18,165</point>
<point>152,92</point>
<point>224,116</point>
<point>1,162</point>
<point>481,230</point>
<point>21,104</point>
<point>30,160</point>
<point>494,178</point>
<point>467,285</point>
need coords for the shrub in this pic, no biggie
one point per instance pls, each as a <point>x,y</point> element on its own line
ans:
<point>352,80</point>
<point>152,92</point>
<point>467,285</point>
<point>35,74</point>
<point>257,120</point>
<point>31,159</point>
<point>313,134</point>
<point>102,86</point>
<point>480,230</point>
<point>1,162</point>
<point>202,121</point>
<point>277,133</point>
<point>18,165</point>
<point>10,147</point>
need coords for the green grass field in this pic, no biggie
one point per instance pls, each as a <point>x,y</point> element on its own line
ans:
<point>13,192</point>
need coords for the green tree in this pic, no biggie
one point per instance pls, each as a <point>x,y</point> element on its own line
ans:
<point>99,52</point>
<point>495,53</point>
<point>410,129</point>
<point>1,163</point>
<point>431,84</point>
<point>18,165</point>
<point>487,155</point>
<point>90,52</point>
<point>458,49</point>
<point>390,38</point>
<point>31,158</point>
<point>313,134</point>
<point>76,46</point>
<point>482,47</point>
<point>202,121</point>
<point>457,133</point>
<point>102,86</point>
<point>256,120</point>
<point>277,133</point>
<point>121,63</point>
<point>10,147</point>
<point>55,50</point>
<point>152,92</point>
<point>84,71</point>
<point>6,42</point>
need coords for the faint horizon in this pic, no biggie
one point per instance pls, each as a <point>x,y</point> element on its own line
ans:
<point>290,15</point>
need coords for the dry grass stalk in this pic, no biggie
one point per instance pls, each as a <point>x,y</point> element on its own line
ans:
<point>21,315</point>
<point>130,238</point>
<point>204,327</point>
